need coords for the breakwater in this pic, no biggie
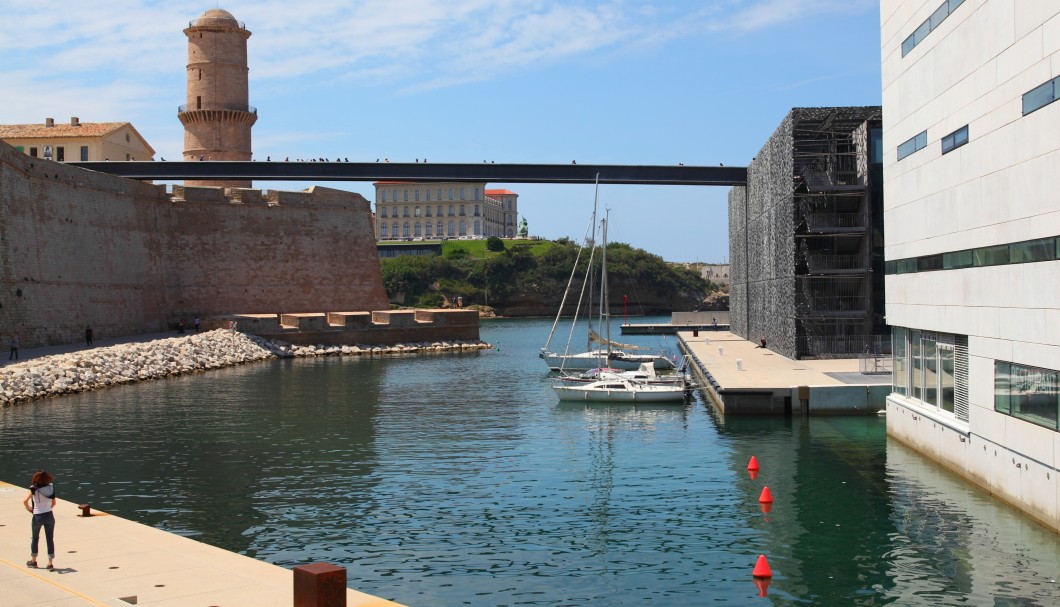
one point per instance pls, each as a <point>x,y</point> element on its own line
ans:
<point>97,368</point>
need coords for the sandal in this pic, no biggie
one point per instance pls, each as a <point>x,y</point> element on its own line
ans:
<point>31,564</point>
<point>51,567</point>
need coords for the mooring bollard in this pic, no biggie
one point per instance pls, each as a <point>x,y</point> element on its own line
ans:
<point>86,509</point>
<point>319,585</point>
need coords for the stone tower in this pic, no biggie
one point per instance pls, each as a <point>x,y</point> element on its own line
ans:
<point>217,117</point>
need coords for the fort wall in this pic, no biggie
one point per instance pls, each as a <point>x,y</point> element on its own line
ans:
<point>82,248</point>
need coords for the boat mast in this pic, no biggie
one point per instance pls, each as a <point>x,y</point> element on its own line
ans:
<point>605,303</point>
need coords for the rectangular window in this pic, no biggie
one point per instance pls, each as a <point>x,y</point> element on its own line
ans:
<point>461,193</point>
<point>918,364</point>
<point>60,154</point>
<point>955,139</point>
<point>33,152</point>
<point>1043,249</point>
<point>1028,393</point>
<point>930,354</point>
<point>957,259</point>
<point>428,193</point>
<point>382,212</point>
<point>84,153</point>
<point>914,144</point>
<point>1040,96</point>
<point>417,195</point>
<point>406,195</point>
<point>946,395</point>
<point>901,365</point>
<point>991,256</point>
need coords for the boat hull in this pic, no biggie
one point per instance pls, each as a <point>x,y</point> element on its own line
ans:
<point>590,394</point>
<point>596,359</point>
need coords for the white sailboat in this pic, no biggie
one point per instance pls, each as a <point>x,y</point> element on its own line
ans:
<point>602,351</point>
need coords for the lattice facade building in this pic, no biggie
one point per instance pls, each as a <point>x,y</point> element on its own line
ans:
<point>806,237</point>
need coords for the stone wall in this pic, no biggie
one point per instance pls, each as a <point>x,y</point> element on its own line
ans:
<point>82,248</point>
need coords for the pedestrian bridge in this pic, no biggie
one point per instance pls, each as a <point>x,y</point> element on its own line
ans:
<point>421,171</point>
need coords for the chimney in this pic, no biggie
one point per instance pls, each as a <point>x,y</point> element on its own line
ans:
<point>49,122</point>
<point>75,121</point>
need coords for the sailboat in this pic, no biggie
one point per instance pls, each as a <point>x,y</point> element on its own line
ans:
<point>602,351</point>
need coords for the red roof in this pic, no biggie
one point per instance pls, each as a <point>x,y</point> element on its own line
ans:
<point>500,193</point>
<point>41,131</point>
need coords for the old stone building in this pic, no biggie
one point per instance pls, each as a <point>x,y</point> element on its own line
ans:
<point>806,236</point>
<point>409,210</point>
<point>78,141</point>
<point>217,115</point>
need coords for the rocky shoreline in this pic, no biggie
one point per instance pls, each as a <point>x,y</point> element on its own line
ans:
<point>103,367</point>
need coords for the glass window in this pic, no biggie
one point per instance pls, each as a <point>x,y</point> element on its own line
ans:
<point>405,194</point>
<point>461,193</point>
<point>901,364</point>
<point>439,197</point>
<point>918,365</point>
<point>991,256</point>
<point>416,211</point>
<point>452,210</point>
<point>1039,97</point>
<point>462,213</point>
<point>417,194</point>
<point>452,226</point>
<point>463,228</point>
<point>450,193</point>
<point>382,230</point>
<point>382,212</point>
<point>428,193</point>
<point>33,151</point>
<point>957,259</point>
<point>441,229</point>
<point>1029,393</point>
<point>930,354</point>
<point>427,228</point>
<point>405,231</point>
<point>405,211</point>
<point>428,209</point>
<point>84,153</point>
<point>913,144</point>
<point>955,139</point>
<point>417,231</point>
<point>946,396</point>
<point>440,209</point>
<point>1043,249</point>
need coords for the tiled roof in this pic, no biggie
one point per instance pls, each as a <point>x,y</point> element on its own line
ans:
<point>60,130</point>
<point>500,193</point>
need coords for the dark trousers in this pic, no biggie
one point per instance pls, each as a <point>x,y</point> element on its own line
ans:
<point>14,353</point>
<point>46,520</point>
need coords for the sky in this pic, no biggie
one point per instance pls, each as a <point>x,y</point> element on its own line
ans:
<point>698,82</point>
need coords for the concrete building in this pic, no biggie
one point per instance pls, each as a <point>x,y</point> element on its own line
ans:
<point>217,115</point>
<point>805,237</point>
<point>717,273</point>
<point>78,141</point>
<point>973,229</point>
<point>410,210</point>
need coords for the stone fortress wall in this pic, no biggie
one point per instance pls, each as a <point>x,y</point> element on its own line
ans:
<point>81,248</point>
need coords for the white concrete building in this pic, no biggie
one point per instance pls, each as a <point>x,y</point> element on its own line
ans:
<point>972,220</point>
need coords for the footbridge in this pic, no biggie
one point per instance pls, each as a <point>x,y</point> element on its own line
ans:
<point>421,171</point>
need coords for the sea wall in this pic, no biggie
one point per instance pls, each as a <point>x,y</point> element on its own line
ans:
<point>83,248</point>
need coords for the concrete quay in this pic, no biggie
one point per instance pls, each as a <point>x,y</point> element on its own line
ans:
<point>744,379</point>
<point>105,560</point>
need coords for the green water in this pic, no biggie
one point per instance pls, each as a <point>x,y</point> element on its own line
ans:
<point>459,480</point>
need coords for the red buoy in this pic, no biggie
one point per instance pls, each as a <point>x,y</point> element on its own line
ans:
<point>753,464</point>
<point>762,567</point>
<point>765,507</point>
<point>766,497</point>
<point>753,474</point>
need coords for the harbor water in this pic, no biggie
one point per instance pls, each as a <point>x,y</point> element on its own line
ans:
<point>459,479</point>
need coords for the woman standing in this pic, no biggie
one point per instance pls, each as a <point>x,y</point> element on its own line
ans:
<point>42,496</point>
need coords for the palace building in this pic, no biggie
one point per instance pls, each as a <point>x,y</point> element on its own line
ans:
<point>78,141</point>
<point>409,210</point>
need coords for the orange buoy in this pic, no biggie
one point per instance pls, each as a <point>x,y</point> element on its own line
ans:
<point>753,474</point>
<point>762,567</point>
<point>766,497</point>
<point>762,584</point>
<point>765,507</point>
<point>753,464</point>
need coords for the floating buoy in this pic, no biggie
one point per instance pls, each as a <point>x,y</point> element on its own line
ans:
<point>765,507</point>
<point>766,497</point>
<point>762,569</point>
<point>753,474</point>
<point>753,464</point>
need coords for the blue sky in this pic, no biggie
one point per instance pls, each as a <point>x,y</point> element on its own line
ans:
<point>538,81</point>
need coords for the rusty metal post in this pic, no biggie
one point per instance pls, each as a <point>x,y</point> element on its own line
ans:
<point>319,585</point>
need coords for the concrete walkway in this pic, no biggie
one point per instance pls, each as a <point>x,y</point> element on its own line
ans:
<point>750,379</point>
<point>106,560</point>
<point>25,354</point>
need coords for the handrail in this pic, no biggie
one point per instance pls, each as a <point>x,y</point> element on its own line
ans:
<point>235,107</point>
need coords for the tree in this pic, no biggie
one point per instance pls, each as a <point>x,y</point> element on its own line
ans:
<point>494,244</point>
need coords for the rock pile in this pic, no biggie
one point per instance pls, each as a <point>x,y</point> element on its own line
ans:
<point>113,365</point>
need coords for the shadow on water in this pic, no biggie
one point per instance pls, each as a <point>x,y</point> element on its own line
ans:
<point>460,479</point>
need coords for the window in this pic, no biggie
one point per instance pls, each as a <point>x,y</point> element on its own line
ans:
<point>929,351</point>
<point>478,194</point>
<point>417,230</point>
<point>427,229</point>
<point>428,193</point>
<point>1040,96</point>
<point>382,212</point>
<point>441,229</point>
<point>394,230</point>
<point>405,230</point>
<point>382,230</point>
<point>428,209</point>
<point>955,139</point>
<point>417,193</point>
<point>1027,393</point>
<point>1043,249</point>
<point>60,154</point>
<point>914,144</point>
<point>945,372</point>
<point>452,231</point>
<point>440,211</point>
<point>932,22</point>
<point>463,228</point>
<point>416,211</point>
<point>462,213</point>
<point>477,228</point>
<point>450,193</point>
<point>452,210</point>
<point>405,212</point>
<point>84,153</point>
<point>476,210</point>
<point>33,152</point>
<point>439,194</point>
<point>406,195</point>
<point>918,364</point>
<point>900,368</point>
<point>991,256</point>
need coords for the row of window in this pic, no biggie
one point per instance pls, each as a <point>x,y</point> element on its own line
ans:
<point>925,369</point>
<point>477,193</point>
<point>59,155</point>
<point>929,25</point>
<point>416,211</point>
<point>1035,99</point>
<point>1027,251</point>
<point>1028,393</point>
<point>408,230</point>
